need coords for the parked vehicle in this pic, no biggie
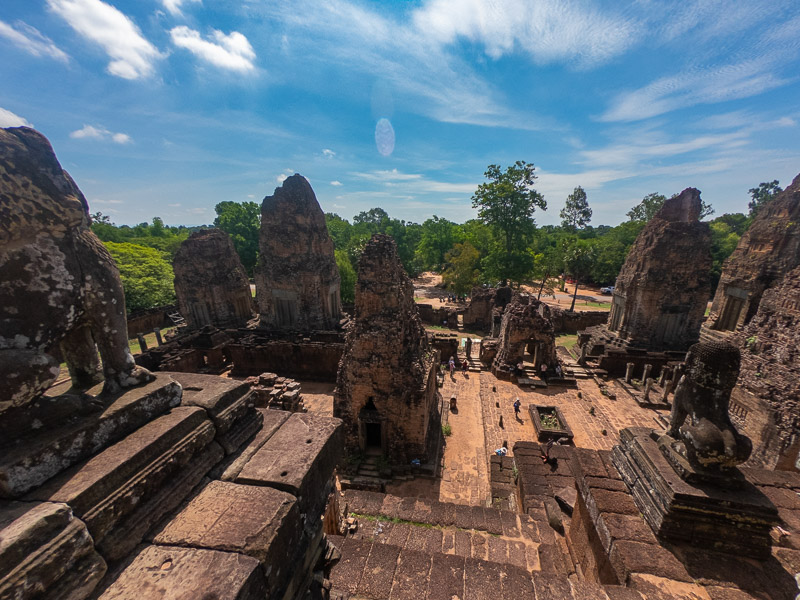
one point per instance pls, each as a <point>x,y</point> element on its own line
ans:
<point>607,290</point>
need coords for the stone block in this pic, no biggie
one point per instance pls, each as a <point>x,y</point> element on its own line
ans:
<point>46,552</point>
<point>23,467</point>
<point>299,458</point>
<point>271,421</point>
<point>227,404</point>
<point>635,557</point>
<point>257,521</point>
<point>411,576</point>
<point>446,580</point>
<point>551,587</point>
<point>376,582</point>
<point>516,584</point>
<point>346,574</point>
<point>171,573</point>
<point>482,579</point>
<point>125,489</point>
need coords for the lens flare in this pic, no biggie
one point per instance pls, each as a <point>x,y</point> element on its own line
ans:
<point>384,137</point>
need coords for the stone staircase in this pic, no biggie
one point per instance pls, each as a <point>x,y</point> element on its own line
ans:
<point>414,548</point>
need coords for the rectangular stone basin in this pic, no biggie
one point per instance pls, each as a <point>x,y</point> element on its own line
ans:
<point>544,429</point>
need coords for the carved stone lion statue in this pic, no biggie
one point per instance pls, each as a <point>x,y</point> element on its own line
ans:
<point>699,421</point>
<point>58,283</point>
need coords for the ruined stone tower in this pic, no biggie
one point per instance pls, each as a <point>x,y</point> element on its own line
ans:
<point>297,281</point>
<point>768,250</point>
<point>210,281</point>
<point>664,285</point>
<point>386,386</point>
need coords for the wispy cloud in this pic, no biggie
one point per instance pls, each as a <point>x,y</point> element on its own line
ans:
<point>232,51</point>
<point>414,66</point>
<point>393,175</point>
<point>132,56</point>
<point>549,31</point>
<point>697,86</point>
<point>328,153</point>
<point>174,6</point>
<point>284,176</point>
<point>100,133</point>
<point>9,119</point>
<point>336,183</point>
<point>31,40</point>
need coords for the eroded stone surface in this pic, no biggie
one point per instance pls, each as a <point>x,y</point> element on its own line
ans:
<point>526,325</point>
<point>210,281</point>
<point>25,465</point>
<point>261,522</point>
<point>45,552</point>
<point>386,385</point>
<point>60,284</point>
<point>172,573</point>
<point>299,458</point>
<point>110,492</point>
<point>297,281</point>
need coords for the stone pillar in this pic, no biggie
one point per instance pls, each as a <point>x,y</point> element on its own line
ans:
<point>667,390</point>
<point>628,372</point>
<point>676,375</point>
<point>582,359</point>
<point>663,376</point>
<point>157,331</point>
<point>646,374</point>
<point>648,384</point>
<point>536,357</point>
<point>142,342</point>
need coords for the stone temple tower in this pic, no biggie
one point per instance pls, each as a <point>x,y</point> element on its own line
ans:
<point>297,281</point>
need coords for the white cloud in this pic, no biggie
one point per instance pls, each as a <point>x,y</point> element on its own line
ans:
<point>548,30</point>
<point>100,133</point>
<point>393,175</point>
<point>176,205</point>
<point>336,183</point>
<point>698,86</point>
<point>232,52</point>
<point>9,119</point>
<point>328,152</point>
<point>31,40</point>
<point>101,201</point>
<point>132,56</point>
<point>174,6</point>
<point>281,178</point>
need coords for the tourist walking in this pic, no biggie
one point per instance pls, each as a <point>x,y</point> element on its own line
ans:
<point>517,404</point>
<point>452,366</point>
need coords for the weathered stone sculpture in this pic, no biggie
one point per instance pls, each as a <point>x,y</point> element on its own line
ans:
<point>699,423</point>
<point>210,281</point>
<point>768,250</point>
<point>297,281</point>
<point>386,385</point>
<point>525,324</point>
<point>59,283</point>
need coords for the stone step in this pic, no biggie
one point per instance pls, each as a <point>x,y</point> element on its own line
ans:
<point>367,472</point>
<point>125,489</point>
<point>46,454</point>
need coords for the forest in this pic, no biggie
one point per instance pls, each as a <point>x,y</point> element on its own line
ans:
<point>503,242</point>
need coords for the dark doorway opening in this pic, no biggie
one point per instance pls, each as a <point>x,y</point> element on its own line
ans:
<point>372,433</point>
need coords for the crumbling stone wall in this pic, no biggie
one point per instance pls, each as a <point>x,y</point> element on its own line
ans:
<point>58,283</point>
<point>526,322</point>
<point>386,386</point>
<point>768,250</point>
<point>210,281</point>
<point>297,281</point>
<point>664,285</point>
<point>770,365</point>
<point>486,306</point>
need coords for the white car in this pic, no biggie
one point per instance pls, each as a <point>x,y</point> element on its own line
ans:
<point>607,290</point>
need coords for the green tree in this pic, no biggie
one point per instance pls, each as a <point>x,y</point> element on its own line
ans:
<point>437,239</point>
<point>506,203</point>
<point>579,258</point>
<point>461,272</point>
<point>723,242</point>
<point>347,275</point>
<point>576,213</point>
<point>765,192</point>
<point>241,221</point>
<point>339,229</point>
<point>147,278</point>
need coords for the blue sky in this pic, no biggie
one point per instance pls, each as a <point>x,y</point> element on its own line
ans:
<point>166,107</point>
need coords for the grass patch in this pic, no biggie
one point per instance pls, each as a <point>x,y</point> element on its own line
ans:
<point>386,519</point>
<point>605,305</point>
<point>150,338</point>
<point>568,341</point>
<point>447,430</point>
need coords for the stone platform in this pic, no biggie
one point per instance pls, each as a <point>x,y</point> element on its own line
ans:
<point>736,520</point>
